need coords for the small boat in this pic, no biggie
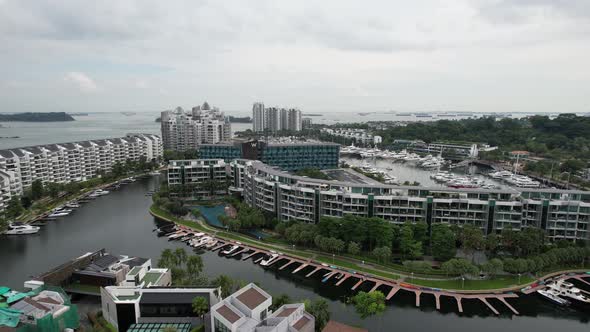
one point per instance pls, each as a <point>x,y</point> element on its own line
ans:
<point>72,205</point>
<point>552,296</point>
<point>270,259</point>
<point>230,250</point>
<point>176,236</point>
<point>98,193</point>
<point>200,242</point>
<point>17,228</point>
<point>60,213</point>
<point>211,243</point>
<point>154,173</point>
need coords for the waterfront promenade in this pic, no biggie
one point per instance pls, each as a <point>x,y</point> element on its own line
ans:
<point>309,267</point>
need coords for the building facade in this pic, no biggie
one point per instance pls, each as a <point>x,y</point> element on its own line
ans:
<point>563,214</point>
<point>274,119</point>
<point>248,310</point>
<point>123,306</point>
<point>182,130</point>
<point>258,117</point>
<point>291,155</point>
<point>201,178</point>
<point>360,136</point>
<point>71,162</point>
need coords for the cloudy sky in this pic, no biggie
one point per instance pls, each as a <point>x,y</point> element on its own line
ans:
<point>329,55</point>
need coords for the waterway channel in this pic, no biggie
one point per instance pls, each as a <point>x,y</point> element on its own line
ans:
<point>120,222</point>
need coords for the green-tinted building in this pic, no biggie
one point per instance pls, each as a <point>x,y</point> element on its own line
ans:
<point>289,156</point>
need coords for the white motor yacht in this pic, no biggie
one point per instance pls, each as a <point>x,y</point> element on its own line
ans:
<point>552,296</point>
<point>567,289</point>
<point>21,229</point>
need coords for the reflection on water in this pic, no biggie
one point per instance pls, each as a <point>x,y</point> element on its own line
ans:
<point>120,223</point>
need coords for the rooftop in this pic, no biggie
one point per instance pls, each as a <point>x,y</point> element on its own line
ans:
<point>228,314</point>
<point>334,326</point>
<point>252,298</point>
<point>301,323</point>
<point>159,327</point>
<point>151,277</point>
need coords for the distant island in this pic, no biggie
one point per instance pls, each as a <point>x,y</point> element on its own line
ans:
<point>37,117</point>
<point>78,114</point>
<point>236,119</point>
<point>158,119</point>
<point>311,114</point>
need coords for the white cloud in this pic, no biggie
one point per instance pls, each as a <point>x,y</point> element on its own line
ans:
<point>81,81</point>
<point>480,55</point>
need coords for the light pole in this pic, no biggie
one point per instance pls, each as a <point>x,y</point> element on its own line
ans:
<point>567,184</point>
<point>519,278</point>
<point>333,258</point>
<point>412,276</point>
<point>462,282</point>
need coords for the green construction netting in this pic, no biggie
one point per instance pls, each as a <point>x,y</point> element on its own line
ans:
<point>4,290</point>
<point>69,319</point>
<point>9,317</point>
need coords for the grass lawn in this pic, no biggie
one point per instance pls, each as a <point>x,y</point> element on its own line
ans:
<point>352,266</point>
<point>499,282</point>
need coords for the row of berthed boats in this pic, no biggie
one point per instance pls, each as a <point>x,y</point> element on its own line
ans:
<point>20,228</point>
<point>517,180</point>
<point>461,181</point>
<point>200,240</point>
<point>428,161</point>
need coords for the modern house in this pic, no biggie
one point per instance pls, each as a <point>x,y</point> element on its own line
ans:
<point>247,310</point>
<point>123,306</point>
<point>87,273</point>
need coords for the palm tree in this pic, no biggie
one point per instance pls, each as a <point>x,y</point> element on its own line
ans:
<point>200,307</point>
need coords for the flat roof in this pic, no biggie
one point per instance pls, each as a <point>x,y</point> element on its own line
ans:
<point>152,277</point>
<point>252,298</point>
<point>334,326</point>
<point>346,175</point>
<point>301,323</point>
<point>286,312</point>
<point>228,314</point>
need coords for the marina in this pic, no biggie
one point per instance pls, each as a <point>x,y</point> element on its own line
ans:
<point>120,222</point>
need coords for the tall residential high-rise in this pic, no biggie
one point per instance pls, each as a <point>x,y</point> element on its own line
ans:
<point>182,130</point>
<point>258,117</point>
<point>293,120</point>
<point>273,119</point>
<point>306,123</point>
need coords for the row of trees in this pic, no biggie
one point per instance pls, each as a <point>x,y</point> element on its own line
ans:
<point>552,259</point>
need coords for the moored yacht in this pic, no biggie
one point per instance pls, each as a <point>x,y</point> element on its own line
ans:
<point>17,228</point>
<point>567,289</point>
<point>553,296</point>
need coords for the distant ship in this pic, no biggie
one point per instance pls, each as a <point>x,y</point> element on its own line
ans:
<point>423,115</point>
<point>128,113</point>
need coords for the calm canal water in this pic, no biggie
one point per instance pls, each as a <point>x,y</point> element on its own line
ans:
<point>120,223</point>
